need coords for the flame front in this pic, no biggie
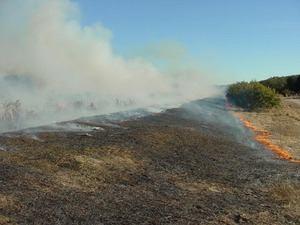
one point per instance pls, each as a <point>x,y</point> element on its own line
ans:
<point>263,137</point>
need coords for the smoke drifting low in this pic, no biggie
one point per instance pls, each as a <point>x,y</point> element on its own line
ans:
<point>58,69</point>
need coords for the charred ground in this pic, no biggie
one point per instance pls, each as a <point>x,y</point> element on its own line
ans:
<point>190,165</point>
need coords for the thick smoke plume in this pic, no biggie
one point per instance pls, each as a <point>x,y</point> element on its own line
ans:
<point>53,68</point>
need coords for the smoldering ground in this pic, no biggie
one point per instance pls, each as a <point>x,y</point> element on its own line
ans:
<point>53,68</point>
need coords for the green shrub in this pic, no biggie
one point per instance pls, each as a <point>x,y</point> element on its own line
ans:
<point>252,95</point>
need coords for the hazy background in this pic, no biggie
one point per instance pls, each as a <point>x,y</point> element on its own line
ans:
<point>68,58</point>
<point>60,69</point>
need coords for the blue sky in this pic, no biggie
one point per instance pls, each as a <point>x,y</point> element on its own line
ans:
<point>239,39</point>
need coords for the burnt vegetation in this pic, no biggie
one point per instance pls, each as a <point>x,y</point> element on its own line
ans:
<point>174,167</point>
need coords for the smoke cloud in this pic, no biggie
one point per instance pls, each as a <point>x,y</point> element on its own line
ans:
<point>59,69</point>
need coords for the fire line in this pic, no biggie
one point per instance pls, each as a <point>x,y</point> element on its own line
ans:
<point>263,137</point>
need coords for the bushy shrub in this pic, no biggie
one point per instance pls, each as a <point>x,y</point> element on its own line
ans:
<point>252,95</point>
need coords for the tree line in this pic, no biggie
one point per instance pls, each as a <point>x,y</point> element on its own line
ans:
<point>286,86</point>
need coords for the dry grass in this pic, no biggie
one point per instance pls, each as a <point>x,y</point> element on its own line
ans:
<point>4,220</point>
<point>200,187</point>
<point>8,202</point>
<point>289,193</point>
<point>283,123</point>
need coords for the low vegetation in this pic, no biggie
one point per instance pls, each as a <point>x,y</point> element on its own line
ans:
<point>288,193</point>
<point>252,95</point>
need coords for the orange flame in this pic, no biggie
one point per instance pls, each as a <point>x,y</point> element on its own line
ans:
<point>263,137</point>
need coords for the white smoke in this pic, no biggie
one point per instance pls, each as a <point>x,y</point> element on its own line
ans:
<point>47,58</point>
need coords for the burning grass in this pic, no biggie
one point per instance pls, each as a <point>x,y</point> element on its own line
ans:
<point>277,129</point>
<point>263,137</point>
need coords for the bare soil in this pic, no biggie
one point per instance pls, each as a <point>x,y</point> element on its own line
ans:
<point>191,165</point>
